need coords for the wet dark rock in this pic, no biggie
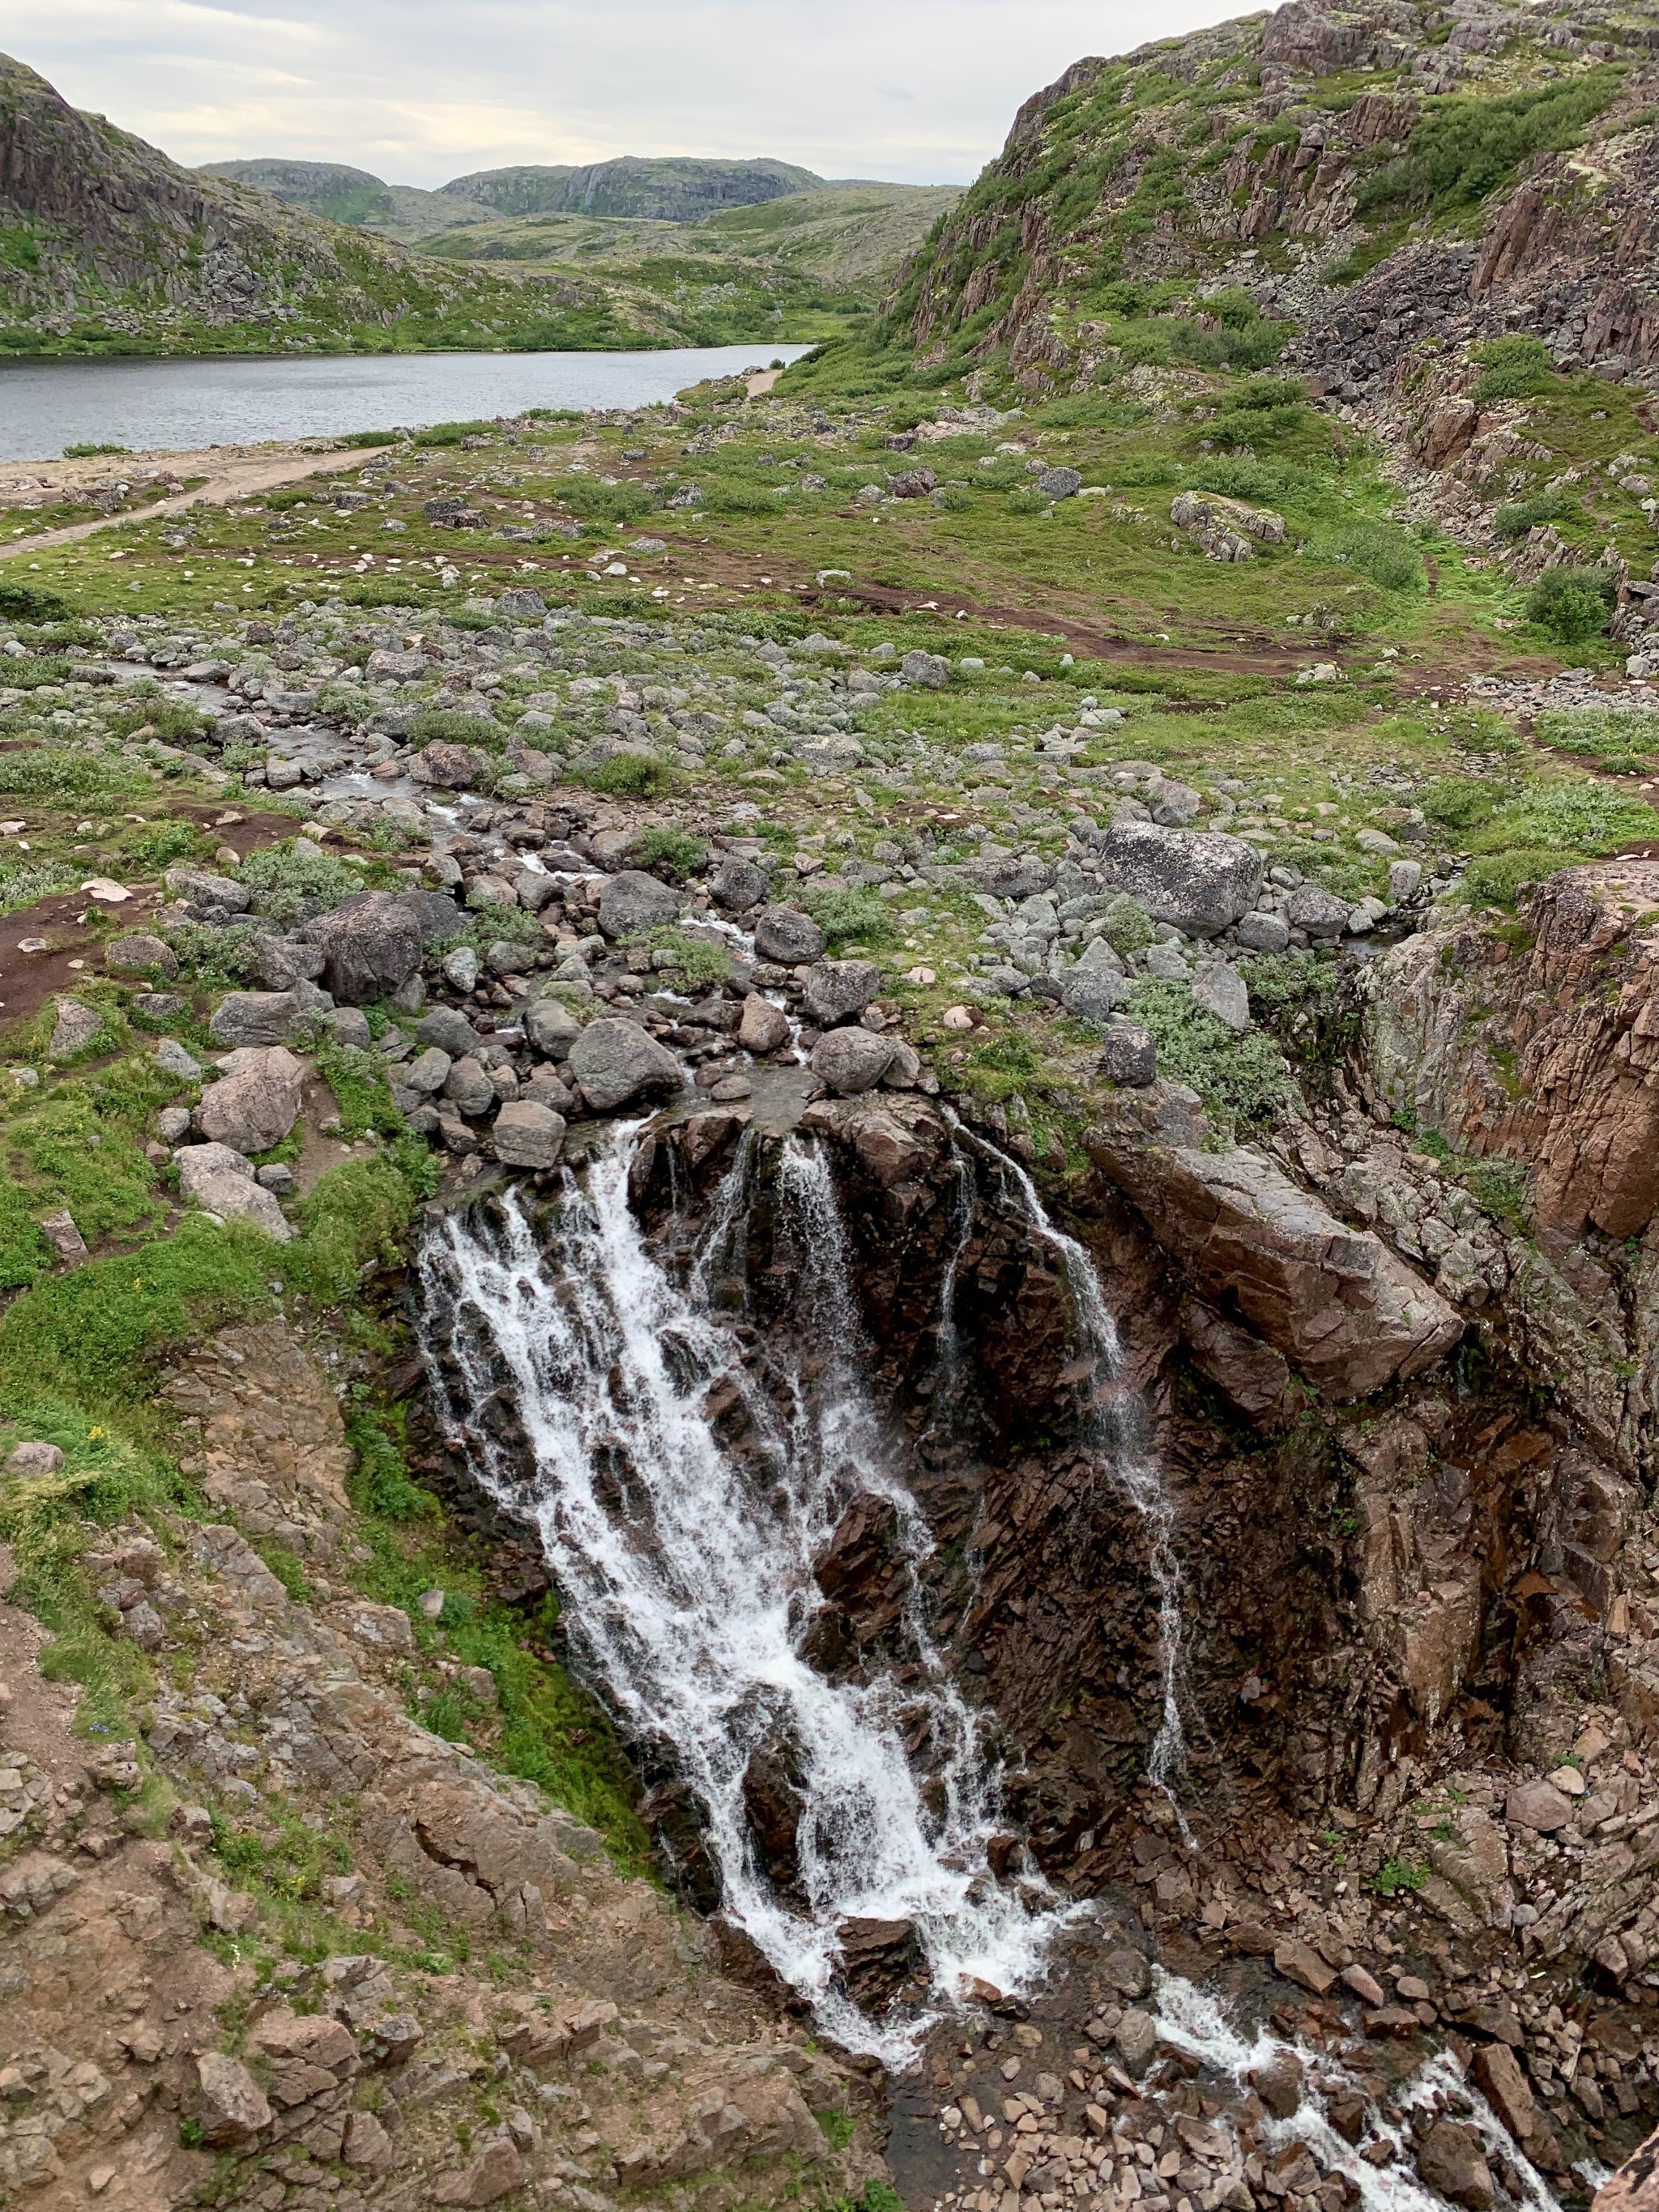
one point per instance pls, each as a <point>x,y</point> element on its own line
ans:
<point>879,1957</point>
<point>1451,2161</point>
<point>772,1797</point>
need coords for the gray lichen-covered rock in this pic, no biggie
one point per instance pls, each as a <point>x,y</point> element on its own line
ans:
<point>632,903</point>
<point>138,953</point>
<point>550,1028</point>
<point>449,1030</point>
<point>370,945</point>
<point>1221,991</point>
<point>244,1017</point>
<point>839,990</point>
<point>528,1135</point>
<point>74,1029</point>
<point>1017,876</point>
<point>1199,880</point>
<point>737,885</point>
<point>1319,912</point>
<point>1129,1055</point>
<point>1093,994</point>
<point>786,935</point>
<point>614,1061</point>
<point>233,2109</point>
<point>220,1180</point>
<point>851,1060</point>
<point>257,1106</point>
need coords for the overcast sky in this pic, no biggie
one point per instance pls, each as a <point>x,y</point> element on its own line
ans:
<point>419,91</point>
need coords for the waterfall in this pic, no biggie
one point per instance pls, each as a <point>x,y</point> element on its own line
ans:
<point>686,1567</point>
<point>1115,1431</point>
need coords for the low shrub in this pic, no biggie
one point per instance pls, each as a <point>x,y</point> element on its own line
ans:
<point>850,917</point>
<point>1622,743</point>
<point>674,851</point>
<point>1513,368</point>
<point>1517,516</point>
<point>1572,605</point>
<point>291,883</point>
<point>28,603</point>
<point>1380,551</point>
<point>631,775</point>
<point>1242,1080</point>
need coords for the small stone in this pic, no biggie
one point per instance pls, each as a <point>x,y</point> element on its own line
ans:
<point>278,1178</point>
<point>1569,1781</point>
<point>36,1457</point>
<point>1136,2039</point>
<point>255,1108</point>
<point>350,1025</point>
<point>432,1604</point>
<point>461,968</point>
<point>1364,1985</point>
<point>1450,2161</point>
<point>174,1122</point>
<point>65,1238</point>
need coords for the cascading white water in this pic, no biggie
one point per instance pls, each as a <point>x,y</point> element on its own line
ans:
<point>1115,1431</point>
<point>1193,2020</point>
<point>687,1569</point>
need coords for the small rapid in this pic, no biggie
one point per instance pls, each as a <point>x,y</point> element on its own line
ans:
<point>686,1567</point>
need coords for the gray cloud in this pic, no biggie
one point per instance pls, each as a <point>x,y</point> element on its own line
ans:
<point>919,91</point>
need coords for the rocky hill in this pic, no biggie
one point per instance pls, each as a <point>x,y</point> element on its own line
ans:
<point>1378,182</point>
<point>341,194</point>
<point>105,243</point>
<point>673,189</point>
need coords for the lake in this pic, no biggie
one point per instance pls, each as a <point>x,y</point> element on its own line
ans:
<point>173,405</point>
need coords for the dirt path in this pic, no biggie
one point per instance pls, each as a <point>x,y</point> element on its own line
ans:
<point>226,480</point>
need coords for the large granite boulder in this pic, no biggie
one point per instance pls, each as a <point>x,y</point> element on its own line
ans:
<point>256,1105</point>
<point>633,903</point>
<point>371,947</point>
<point>614,1061</point>
<point>1199,880</point>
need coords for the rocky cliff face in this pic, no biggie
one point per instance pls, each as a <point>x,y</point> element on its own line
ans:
<point>1389,182</point>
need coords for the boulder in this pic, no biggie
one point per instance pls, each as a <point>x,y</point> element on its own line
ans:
<point>172,1059</point>
<point>1059,484</point>
<point>138,953</point>
<point>1635,2186</point>
<point>370,945</point>
<point>64,1237</point>
<point>1221,991</point>
<point>737,885</point>
<point>1304,1966</point>
<point>232,2109</point>
<point>1011,876</point>
<point>1129,1055</point>
<point>74,1029</point>
<point>763,1027</point>
<point>1315,911</point>
<point>614,1061</point>
<point>468,1088</point>
<point>528,1135</point>
<point>1335,1300</point>
<point>255,1108</point>
<point>496,2172</point>
<point>1277,2082</point>
<point>550,1028</point>
<point>1498,2076</point>
<point>633,903</point>
<point>931,670</point>
<point>839,991</point>
<point>851,1060</point>
<point>1264,932</point>
<point>437,914</point>
<point>35,1457</point>
<point>452,767</point>
<point>1136,2038</point>
<point>245,1017</point>
<point>521,604</point>
<point>877,1958</point>
<point>1539,1806</point>
<point>1451,2163</point>
<point>449,1030</point>
<point>1093,994</point>
<point>212,898</point>
<point>1199,880</point>
<point>786,935</point>
<point>221,1181</point>
<point>428,1073</point>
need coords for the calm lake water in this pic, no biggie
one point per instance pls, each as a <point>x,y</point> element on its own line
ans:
<point>174,405</point>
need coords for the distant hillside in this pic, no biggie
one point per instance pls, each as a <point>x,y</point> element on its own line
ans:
<point>340,194</point>
<point>106,245</point>
<point>671,190</point>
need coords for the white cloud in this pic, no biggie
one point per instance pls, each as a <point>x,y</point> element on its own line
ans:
<point>421,90</point>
